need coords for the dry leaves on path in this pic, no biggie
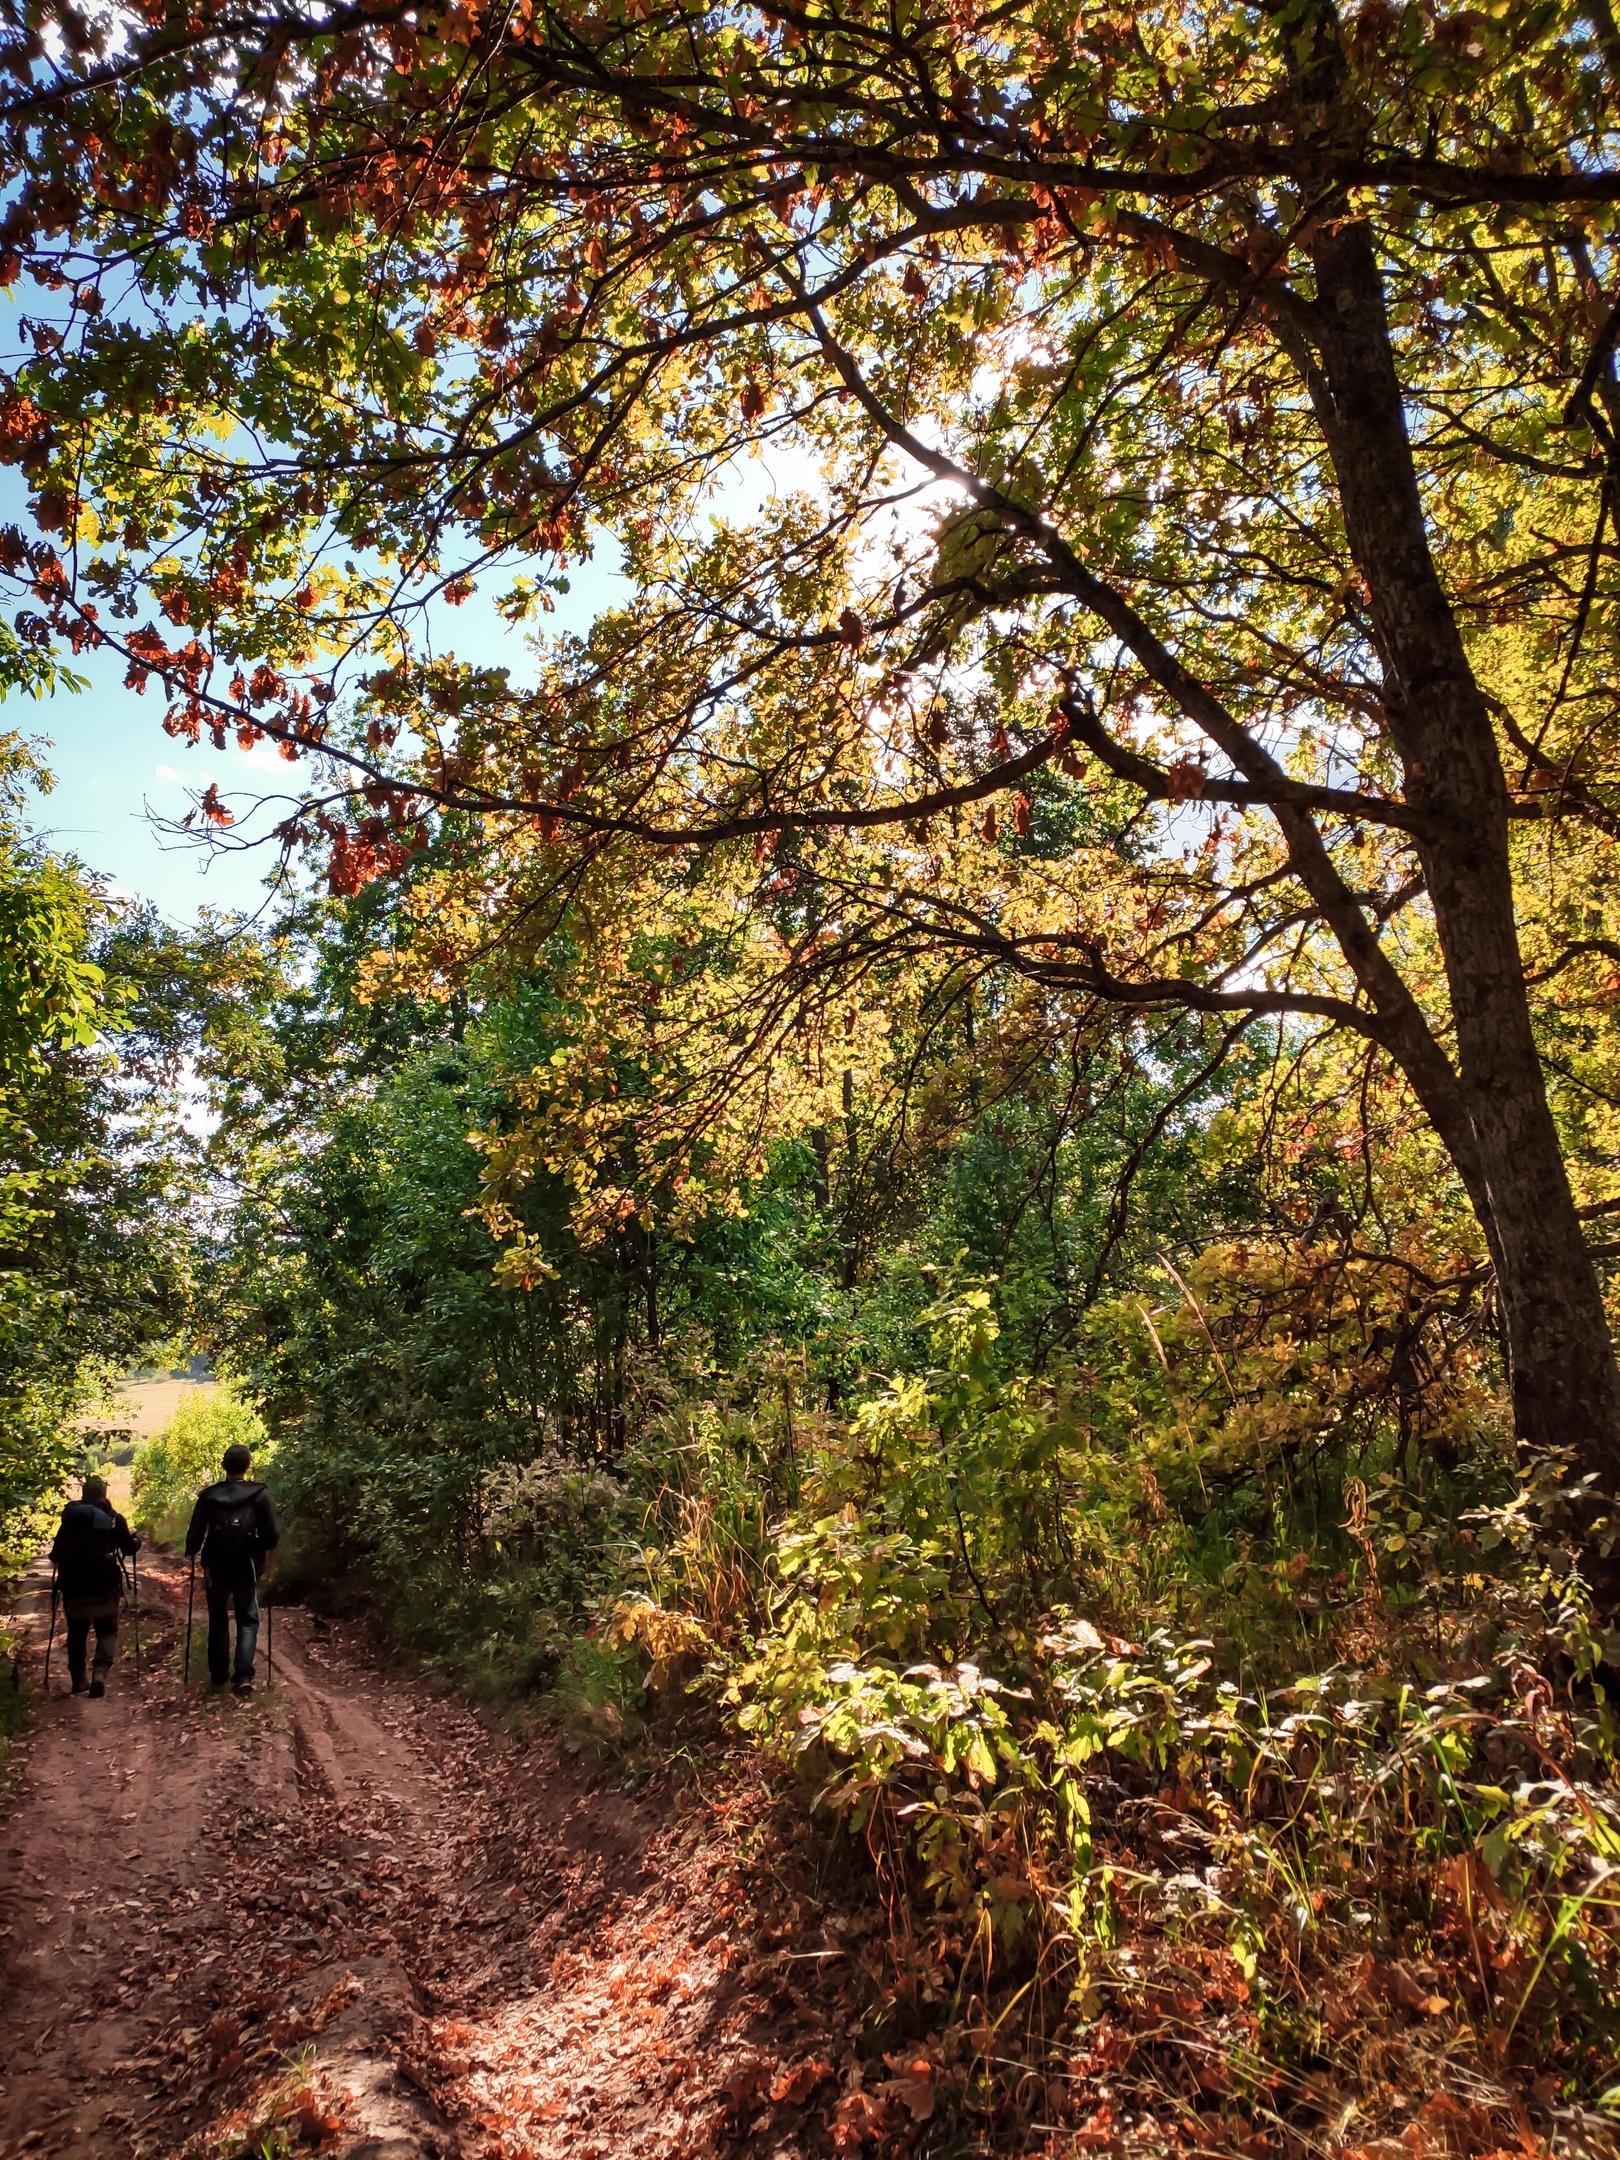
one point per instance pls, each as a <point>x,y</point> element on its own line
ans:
<point>349,1913</point>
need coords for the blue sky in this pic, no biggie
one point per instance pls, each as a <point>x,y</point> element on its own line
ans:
<point>116,771</point>
<point>112,762</point>
<point>118,775</point>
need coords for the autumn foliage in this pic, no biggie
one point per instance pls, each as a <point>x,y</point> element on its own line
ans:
<point>955,1081</point>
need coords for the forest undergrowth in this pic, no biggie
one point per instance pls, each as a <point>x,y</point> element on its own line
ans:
<point>1091,1547</point>
<point>1176,1829</point>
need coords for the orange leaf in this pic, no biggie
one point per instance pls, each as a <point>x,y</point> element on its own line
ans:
<point>859,2120</point>
<point>914,2087</point>
<point>796,2085</point>
<point>1187,779</point>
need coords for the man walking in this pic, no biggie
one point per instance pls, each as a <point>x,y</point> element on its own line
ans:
<point>90,1544</point>
<point>233,1527</point>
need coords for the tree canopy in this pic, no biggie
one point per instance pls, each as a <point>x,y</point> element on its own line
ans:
<point>1180,575</point>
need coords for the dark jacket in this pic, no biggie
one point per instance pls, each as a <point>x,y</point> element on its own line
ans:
<point>211,1533</point>
<point>88,1541</point>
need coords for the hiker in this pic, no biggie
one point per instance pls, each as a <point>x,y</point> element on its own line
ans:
<point>87,1555</point>
<point>233,1527</point>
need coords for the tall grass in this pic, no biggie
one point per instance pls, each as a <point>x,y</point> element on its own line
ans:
<point>1298,1819</point>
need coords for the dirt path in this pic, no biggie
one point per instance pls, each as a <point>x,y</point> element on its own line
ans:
<point>346,1913</point>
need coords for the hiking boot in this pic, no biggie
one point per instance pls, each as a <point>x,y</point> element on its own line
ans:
<point>98,1688</point>
<point>78,1687</point>
<point>242,1684</point>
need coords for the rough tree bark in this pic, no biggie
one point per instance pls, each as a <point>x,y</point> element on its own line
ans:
<point>1565,1384</point>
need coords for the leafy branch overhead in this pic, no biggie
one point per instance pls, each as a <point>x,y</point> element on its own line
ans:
<point>1179,571</point>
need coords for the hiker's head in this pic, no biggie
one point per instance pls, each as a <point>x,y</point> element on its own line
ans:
<point>95,1488</point>
<point>238,1461</point>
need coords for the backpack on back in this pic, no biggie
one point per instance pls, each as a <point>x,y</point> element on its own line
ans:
<point>233,1539</point>
<point>86,1551</point>
<point>88,1532</point>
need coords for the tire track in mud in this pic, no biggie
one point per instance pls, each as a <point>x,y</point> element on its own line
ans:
<point>347,1911</point>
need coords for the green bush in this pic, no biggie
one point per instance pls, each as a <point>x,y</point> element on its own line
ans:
<point>174,1465</point>
<point>16,1697</point>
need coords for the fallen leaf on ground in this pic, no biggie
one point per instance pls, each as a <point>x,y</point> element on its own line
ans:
<point>796,2085</point>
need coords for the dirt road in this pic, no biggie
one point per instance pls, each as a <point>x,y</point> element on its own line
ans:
<point>344,1914</point>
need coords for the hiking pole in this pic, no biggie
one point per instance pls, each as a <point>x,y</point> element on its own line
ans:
<point>191,1592</point>
<point>51,1637</point>
<point>135,1610</point>
<point>269,1630</point>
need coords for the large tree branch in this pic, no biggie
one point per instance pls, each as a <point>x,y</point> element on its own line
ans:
<point>742,825</point>
<point>970,931</point>
<point>699,108</point>
<point>1158,785</point>
<point>1406,1031</point>
<point>254,32</point>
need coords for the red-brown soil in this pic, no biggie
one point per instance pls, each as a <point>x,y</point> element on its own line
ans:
<point>347,1912</point>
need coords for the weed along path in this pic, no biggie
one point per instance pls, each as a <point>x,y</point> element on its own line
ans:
<point>345,1915</point>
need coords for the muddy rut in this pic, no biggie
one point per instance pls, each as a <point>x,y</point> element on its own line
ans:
<point>346,1915</point>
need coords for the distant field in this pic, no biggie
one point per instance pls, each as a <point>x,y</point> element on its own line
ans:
<point>144,1407</point>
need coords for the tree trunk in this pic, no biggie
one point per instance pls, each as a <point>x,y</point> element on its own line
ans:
<point>649,1264</point>
<point>852,1174</point>
<point>1565,1385</point>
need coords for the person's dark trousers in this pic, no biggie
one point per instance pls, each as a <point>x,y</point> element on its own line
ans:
<point>80,1620</point>
<point>225,1592</point>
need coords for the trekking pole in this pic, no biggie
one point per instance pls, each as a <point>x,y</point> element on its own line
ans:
<point>135,1610</point>
<point>191,1592</point>
<point>51,1637</point>
<point>269,1630</point>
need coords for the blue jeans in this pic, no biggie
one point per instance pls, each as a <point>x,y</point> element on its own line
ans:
<point>223,1592</point>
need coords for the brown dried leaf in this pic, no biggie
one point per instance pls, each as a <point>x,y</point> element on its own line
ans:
<point>795,2086</point>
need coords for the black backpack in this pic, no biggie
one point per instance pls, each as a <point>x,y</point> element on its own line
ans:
<point>234,1535</point>
<point>89,1531</point>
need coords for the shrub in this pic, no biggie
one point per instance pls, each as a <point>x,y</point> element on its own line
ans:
<point>173,1466</point>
